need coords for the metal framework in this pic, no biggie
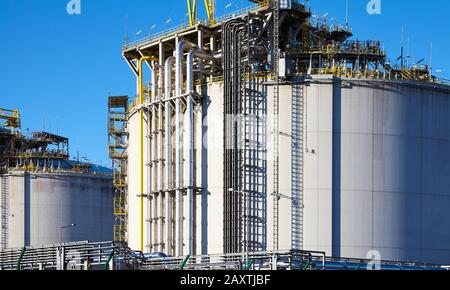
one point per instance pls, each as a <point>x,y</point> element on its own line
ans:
<point>245,51</point>
<point>12,118</point>
<point>210,7</point>
<point>117,256</point>
<point>276,123</point>
<point>117,139</point>
<point>70,256</point>
<point>260,48</point>
<point>38,152</point>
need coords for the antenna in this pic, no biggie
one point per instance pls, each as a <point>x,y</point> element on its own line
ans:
<point>346,13</point>
<point>401,55</point>
<point>126,29</point>
<point>408,53</point>
<point>431,59</point>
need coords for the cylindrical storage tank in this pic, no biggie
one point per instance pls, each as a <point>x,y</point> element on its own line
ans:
<point>208,209</point>
<point>51,208</point>
<point>375,172</point>
<point>377,168</point>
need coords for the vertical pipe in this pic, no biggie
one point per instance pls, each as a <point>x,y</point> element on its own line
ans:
<point>141,154</point>
<point>153,83</point>
<point>168,83</point>
<point>150,117</point>
<point>200,48</point>
<point>152,215</point>
<point>190,111</point>
<point>155,160</point>
<point>141,147</point>
<point>178,147</point>
<point>161,145</point>
<point>155,220</point>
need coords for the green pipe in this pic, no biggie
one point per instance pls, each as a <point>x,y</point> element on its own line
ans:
<point>250,264</point>
<point>19,260</point>
<point>184,262</point>
<point>111,256</point>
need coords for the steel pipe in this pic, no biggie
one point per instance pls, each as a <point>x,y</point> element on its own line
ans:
<point>141,151</point>
<point>161,144</point>
<point>182,45</point>
<point>190,111</point>
<point>168,201</point>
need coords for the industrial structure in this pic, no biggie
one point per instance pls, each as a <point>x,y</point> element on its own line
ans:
<point>271,129</point>
<point>265,139</point>
<point>116,256</point>
<point>45,197</point>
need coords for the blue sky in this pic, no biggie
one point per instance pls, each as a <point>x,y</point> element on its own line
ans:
<point>58,69</point>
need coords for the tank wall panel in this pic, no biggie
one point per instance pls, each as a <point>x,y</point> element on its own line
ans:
<point>376,170</point>
<point>318,170</point>
<point>390,171</point>
<point>42,204</point>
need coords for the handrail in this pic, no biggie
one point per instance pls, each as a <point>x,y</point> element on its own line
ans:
<point>186,26</point>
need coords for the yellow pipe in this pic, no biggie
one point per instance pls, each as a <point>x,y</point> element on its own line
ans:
<point>192,9</point>
<point>141,157</point>
<point>209,5</point>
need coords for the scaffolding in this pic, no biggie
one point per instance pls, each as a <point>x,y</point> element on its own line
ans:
<point>12,118</point>
<point>35,152</point>
<point>117,140</point>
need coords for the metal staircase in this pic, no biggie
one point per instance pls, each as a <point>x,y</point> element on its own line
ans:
<point>4,212</point>
<point>117,115</point>
<point>297,165</point>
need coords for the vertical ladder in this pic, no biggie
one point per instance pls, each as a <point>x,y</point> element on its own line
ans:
<point>4,212</point>
<point>276,124</point>
<point>297,166</point>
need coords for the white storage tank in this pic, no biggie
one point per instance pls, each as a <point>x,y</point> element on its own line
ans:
<point>364,154</point>
<point>50,208</point>
<point>377,167</point>
<point>377,161</point>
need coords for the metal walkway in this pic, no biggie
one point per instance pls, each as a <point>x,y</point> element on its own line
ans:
<point>117,256</point>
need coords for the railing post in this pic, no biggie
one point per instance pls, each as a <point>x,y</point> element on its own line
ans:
<point>19,260</point>
<point>183,264</point>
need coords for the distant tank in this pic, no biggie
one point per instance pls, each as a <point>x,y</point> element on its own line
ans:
<point>45,198</point>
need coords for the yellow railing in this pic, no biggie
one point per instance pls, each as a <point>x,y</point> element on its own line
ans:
<point>411,74</point>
